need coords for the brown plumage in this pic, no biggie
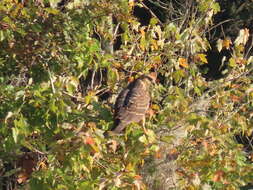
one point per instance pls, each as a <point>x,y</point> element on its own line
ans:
<point>133,102</point>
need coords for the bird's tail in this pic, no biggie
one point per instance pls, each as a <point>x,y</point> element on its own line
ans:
<point>119,126</point>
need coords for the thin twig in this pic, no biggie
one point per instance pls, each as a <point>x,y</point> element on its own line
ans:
<point>159,4</point>
<point>75,97</point>
<point>92,78</point>
<point>151,12</point>
<point>249,49</point>
<point>115,32</point>
<point>232,114</point>
<point>51,80</point>
<point>215,26</point>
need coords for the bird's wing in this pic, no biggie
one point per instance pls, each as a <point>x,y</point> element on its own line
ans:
<point>133,103</point>
<point>120,100</point>
<point>137,100</point>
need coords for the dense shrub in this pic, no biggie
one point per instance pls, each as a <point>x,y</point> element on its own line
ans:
<point>52,131</point>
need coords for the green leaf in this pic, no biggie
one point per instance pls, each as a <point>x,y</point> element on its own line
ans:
<point>167,138</point>
<point>178,75</point>
<point>52,11</point>
<point>113,76</point>
<point>197,90</point>
<point>232,62</point>
<point>21,31</point>
<point>2,37</point>
<point>143,139</point>
<point>15,133</point>
<point>37,28</point>
<point>153,21</point>
<point>216,7</point>
<point>20,94</point>
<point>171,27</point>
<point>151,135</point>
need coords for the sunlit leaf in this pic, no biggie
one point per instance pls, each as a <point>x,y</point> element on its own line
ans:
<point>183,62</point>
<point>232,62</point>
<point>219,44</point>
<point>52,11</point>
<point>153,21</point>
<point>202,57</point>
<point>226,43</point>
<point>15,133</point>
<point>242,37</point>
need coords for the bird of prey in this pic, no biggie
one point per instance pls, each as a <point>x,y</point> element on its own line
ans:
<point>133,102</point>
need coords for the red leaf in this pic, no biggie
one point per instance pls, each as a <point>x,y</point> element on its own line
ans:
<point>89,140</point>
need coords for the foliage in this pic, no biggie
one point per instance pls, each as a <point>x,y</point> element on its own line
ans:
<point>46,51</point>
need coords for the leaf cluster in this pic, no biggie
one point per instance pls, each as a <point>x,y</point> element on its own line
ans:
<point>52,133</point>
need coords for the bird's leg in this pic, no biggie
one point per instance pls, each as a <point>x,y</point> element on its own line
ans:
<point>143,124</point>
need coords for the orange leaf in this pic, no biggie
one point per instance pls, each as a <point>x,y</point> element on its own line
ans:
<point>183,62</point>
<point>251,157</point>
<point>150,113</point>
<point>89,140</point>
<point>158,154</point>
<point>235,85</point>
<point>142,32</point>
<point>205,144</point>
<point>130,79</point>
<point>226,43</point>
<point>172,154</point>
<point>138,177</point>
<point>42,165</point>
<point>218,176</point>
<point>22,177</point>
<point>241,61</point>
<point>235,98</point>
<point>91,125</point>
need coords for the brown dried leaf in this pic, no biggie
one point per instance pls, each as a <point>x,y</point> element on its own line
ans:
<point>218,176</point>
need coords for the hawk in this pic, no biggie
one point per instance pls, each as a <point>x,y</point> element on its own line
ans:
<point>133,102</point>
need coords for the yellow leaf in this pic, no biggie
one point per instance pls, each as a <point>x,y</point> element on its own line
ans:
<point>52,11</point>
<point>155,107</point>
<point>154,45</point>
<point>219,44</point>
<point>142,32</point>
<point>183,62</point>
<point>232,62</point>
<point>131,3</point>
<point>202,57</point>
<point>242,37</point>
<point>143,43</point>
<point>129,167</point>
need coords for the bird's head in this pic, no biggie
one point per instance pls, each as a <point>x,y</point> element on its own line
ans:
<point>149,79</point>
<point>152,77</point>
